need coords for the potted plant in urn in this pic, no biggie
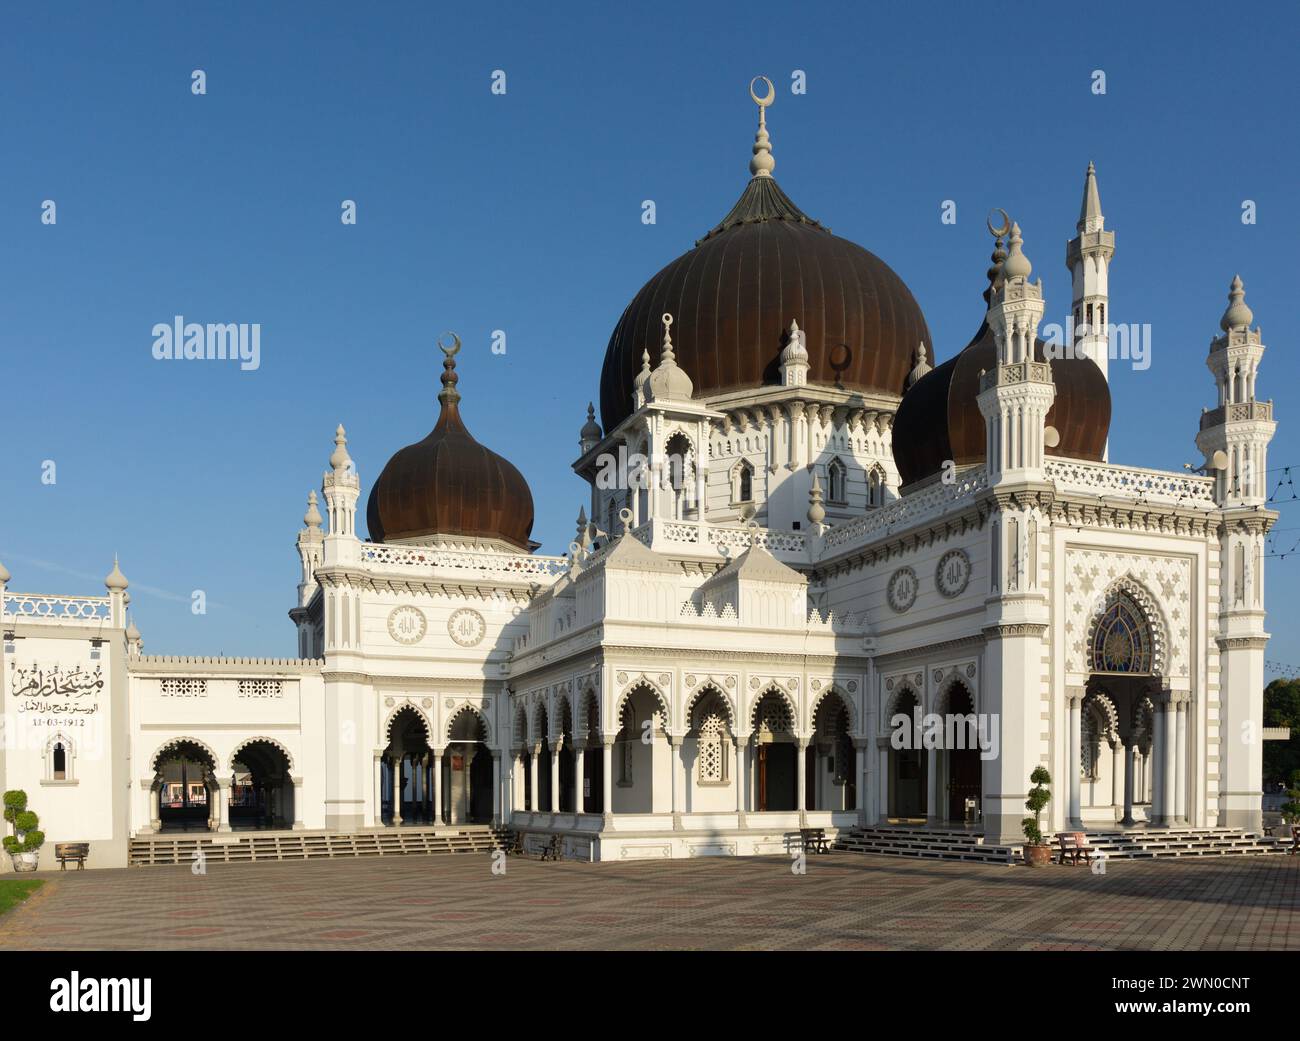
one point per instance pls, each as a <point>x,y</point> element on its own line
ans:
<point>1037,852</point>
<point>24,845</point>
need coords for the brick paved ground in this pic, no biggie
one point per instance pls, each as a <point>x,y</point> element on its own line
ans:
<point>845,901</point>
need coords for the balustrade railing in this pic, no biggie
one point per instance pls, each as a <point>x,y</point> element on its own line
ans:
<point>58,608</point>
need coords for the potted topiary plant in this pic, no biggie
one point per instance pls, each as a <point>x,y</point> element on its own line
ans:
<point>24,845</point>
<point>1037,852</point>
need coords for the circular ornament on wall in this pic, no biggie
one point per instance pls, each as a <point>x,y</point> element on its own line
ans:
<point>449,703</point>
<point>407,624</point>
<point>466,626</point>
<point>953,572</point>
<point>902,589</point>
<point>853,686</point>
<point>427,702</point>
<point>389,703</point>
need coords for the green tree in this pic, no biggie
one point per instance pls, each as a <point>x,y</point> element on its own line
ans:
<point>1039,797</point>
<point>26,837</point>
<point>1282,709</point>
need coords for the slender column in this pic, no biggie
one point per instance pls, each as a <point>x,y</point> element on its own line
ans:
<point>1180,763</point>
<point>397,789</point>
<point>932,785</point>
<point>436,791</point>
<point>1117,774</point>
<point>860,789</point>
<point>1156,757</point>
<point>607,779</point>
<point>579,770</point>
<point>379,789</point>
<point>496,788</point>
<point>802,787</point>
<point>1075,761</point>
<point>1130,779</point>
<point>223,804</point>
<point>1168,757</point>
<point>535,803</point>
<point>882,780</point>
<point>739,781</point>
<point>297,804</point>
<point>555,774</point>
<point>677,772</point>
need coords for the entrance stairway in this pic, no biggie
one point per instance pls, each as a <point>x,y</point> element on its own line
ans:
<point>1133,844</point>
<point>1150,843</point>
<point>926,843</point>
<point>244,847</point>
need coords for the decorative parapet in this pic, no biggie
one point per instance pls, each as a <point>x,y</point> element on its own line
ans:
<point>36,607</point>
<point>1242,411</point>
<point>1152,486</point>
<point>911,509</point>
<point>241,667</point>
<point>465,563</point>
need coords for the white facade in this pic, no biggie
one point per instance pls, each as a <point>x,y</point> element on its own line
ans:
<point>718,661</point>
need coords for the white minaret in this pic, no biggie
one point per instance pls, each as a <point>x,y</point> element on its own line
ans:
<point>1234,437</point>
<point>1015,396</point>
<point>794,359</point>
<point>1088,257</point>
<point>1239,426</point>
<point>342,487</point>
<point>1014,399</point>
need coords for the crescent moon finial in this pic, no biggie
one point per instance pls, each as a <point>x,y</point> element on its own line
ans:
<point>770,97</point>
<point>454,349</point>
<point>997,233</point>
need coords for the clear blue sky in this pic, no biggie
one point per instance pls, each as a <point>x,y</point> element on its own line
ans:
<point>522,212</point>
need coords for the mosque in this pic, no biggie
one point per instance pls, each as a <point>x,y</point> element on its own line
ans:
<point>804,542</point>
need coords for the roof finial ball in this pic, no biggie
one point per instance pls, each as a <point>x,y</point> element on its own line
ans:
<point>1238,315</point>
<point>449,395</point>
<point>762,164</point>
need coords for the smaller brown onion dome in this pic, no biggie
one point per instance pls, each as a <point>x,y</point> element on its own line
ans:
<point>449,484</point>
<point>939,418</point>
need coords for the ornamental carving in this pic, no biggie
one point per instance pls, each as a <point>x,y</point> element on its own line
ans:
<point>902,589</point>
<point>466,627</point>
<point>407,624</point>
<point>952,574</point>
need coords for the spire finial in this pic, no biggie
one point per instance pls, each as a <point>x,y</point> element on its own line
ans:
<point>116,581</point>
<point>816,511</point>
<point>312,517</point>
<point>449,395</point>
<point>1238,315</point>
<point>339,458</point>
<point>1017,264</point>
<point>666,356</point>
<point>762,164</point>
<point>1090,218</point>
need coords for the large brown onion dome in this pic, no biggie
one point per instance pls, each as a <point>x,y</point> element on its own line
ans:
<point>449,484</point>
<point>939,418</point>
<point>734,295</point>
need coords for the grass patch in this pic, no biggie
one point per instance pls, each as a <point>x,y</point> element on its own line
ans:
<point>14,891</point>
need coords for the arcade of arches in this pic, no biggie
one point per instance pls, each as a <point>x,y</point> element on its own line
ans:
<point>190,792</point>
<point>453,783</point>
<point>644,769</point>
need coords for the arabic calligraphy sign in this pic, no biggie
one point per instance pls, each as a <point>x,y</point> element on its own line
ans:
<point>56,690</point>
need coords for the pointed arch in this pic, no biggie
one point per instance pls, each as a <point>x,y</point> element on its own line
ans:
<point>903,690</point>
<point>782,696</point>
<point>837,481</point>
<point>844,699</point>
<point>1127,631</point>
<point>588,721</point>
<point>462,711</point>
<point>742,481</point>
<point>407,706</point>
<point>943,702</point>
<point>288,756</point>
<point>1104,705</point>
<point>711,688</point>
<point>638,684</point>
<point>541,723</point>
<point>521,727</point>
<point>175,742</point>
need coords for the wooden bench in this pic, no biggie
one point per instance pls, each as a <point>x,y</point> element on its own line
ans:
<point>1074,844</point>
<point>814,840</point>
<point>551,851</point>
<point>514,844</point>
<point>1295,840</point>
<point>66,851</point>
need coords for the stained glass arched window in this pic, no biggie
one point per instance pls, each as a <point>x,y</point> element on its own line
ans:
<point>1122,640</point>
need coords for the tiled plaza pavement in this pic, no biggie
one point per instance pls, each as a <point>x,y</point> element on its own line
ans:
<point>844,902</point>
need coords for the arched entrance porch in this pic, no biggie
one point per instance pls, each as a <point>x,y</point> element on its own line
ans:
<point>262,789</point>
